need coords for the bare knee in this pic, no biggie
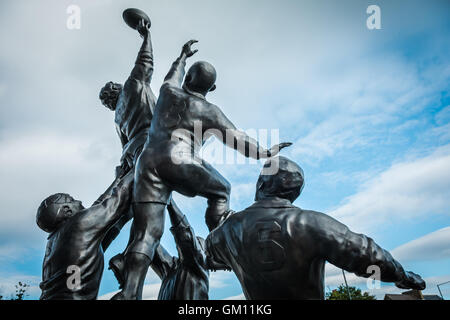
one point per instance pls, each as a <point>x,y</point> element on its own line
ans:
<point>156,231</point>
<point>148,226</point>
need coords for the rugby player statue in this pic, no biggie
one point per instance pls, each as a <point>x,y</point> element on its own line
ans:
<point>133,105</point>
<point>278,251</point>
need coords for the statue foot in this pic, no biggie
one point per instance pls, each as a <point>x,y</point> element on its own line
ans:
<point>116,264</point>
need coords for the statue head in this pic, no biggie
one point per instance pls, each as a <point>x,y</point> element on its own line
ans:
<point>55,210</point>
<point>201,77</point>
<point>109,95</point>
<point>287,182</point>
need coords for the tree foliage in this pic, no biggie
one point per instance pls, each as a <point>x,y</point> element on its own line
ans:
<point>21,291</point>
<point>341,293</point>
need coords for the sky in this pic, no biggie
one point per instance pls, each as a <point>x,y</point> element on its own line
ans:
<point>368,112</point>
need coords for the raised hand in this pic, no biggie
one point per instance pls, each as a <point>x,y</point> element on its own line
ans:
<point>143,28</point>
<point>411,281</point>
<point>277,148</point>
<point>187,50</point>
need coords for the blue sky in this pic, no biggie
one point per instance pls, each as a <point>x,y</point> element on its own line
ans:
<point>368,112</point>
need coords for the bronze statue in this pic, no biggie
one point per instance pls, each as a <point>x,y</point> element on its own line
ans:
<point>185,277</point>
<point>278,251</point>
<point>74,244</point>
<point>170,162</point>
<point>133,105</point>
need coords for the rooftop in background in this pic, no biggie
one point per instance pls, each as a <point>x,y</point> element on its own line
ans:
<point>412,295</point>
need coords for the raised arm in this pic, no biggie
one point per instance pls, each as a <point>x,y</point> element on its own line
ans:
<point>356,252</point>
<point>121,171</point>
<point>162,262</point>
<point>107,210</point>
<point>108,191</point>
<point>189,248</point>
<point>176,73</point>
<point>224,130</point>
<point>143,67</point>
<point>123,138</point>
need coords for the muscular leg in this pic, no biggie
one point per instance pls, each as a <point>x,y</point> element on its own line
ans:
<point>136,267</point>
<point>200,179</point>
<point>148,226</point>
<point>217,190</point>
<point>191,179</point>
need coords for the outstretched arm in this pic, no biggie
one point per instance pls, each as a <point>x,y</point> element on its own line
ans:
<point>189,248</point>
<point>224,130</point>
<point>109,208</point>
<point>121,171</point>
<point>356,252</point>
<point>176,73</point>
<point>123,168</point>
<point>143,67</point>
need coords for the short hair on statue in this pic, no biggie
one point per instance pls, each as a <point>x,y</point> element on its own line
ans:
<point>201,76</point>
<point>286,183</point>
<point>47,213</point>
<point>109,94</point>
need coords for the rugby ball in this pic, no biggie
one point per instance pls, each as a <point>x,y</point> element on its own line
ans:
<point>132,17</point>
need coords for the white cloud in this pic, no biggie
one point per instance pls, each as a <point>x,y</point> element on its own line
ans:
<point>220,279</point>
<point>12,252</point>
<point>443,116</point>
<point>2,89</point>
<point>330,136</point>
<point>38,164</point>
<point>243,192</point>
<point>337,279</point>
<point>237,297</point>
<point>356,114</point>
<point>405,191</point>
<point>151,291</point>
<point>338,111</point>
<point>440,133</point>
<point>433,246</point>
<point>8,284</point>
<point>151,277</point>
<point>331,270</point>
